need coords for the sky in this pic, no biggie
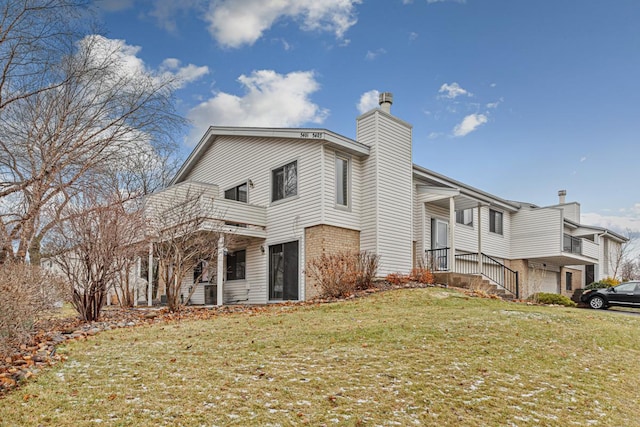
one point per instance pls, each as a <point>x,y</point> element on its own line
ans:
<point>517,98</point>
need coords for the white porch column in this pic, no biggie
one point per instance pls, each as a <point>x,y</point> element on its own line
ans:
<point>219,271</point>
<point>452,234</point>
<point>150,277</point>
<point>479,240</point>
<point>136,283</point>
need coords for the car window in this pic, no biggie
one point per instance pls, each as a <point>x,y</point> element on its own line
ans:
<point>626,287</point>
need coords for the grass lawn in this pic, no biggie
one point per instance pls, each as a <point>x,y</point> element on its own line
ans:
<point>410,357</point>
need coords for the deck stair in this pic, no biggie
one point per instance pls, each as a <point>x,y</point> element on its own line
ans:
<point>471,282</point>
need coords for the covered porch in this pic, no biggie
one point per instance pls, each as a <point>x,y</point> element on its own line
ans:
<point>454,226</point>
<point>238,231</point>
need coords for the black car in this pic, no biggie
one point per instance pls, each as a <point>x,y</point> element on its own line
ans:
<point>625,295</point>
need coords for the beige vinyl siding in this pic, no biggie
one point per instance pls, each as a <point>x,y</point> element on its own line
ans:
<point>536,233</point>
<point>233,159</point>
<point>257,273</point>
<point>340,216</point>
<point>187,282</point>
<point>467,235</point>
<point>493,244</point>
<point>366,130</point>
<point>387,195</point>
<point>395,178</point>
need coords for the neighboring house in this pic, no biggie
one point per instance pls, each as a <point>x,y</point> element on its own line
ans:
<point>287,195</point>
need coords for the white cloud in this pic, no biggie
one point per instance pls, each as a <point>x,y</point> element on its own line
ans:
<point>370,56</point>
<point>368,101</point>
<point>170,67</point>
<point>617,223</point>
<point>131,65</point>
<point>166,11</point>
<point>495,104</point>
<point>452,91</point>
<point>271,100</point>
<point>413,36</point>
<point>234,23</point>
<point>583,158</point>
<point>469,124</point>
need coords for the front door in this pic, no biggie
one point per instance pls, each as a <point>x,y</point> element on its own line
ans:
<point>440,243</point>
<point>283,271</point>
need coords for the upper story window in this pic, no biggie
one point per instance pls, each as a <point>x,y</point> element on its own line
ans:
<point>495,221</point>
<point>236,265</point>
<point>238,193</point>
<point>464,216</point>
<point>342,181</point>
<point>284,181</point>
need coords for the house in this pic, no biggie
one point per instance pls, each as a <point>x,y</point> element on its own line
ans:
<point>288,195</point>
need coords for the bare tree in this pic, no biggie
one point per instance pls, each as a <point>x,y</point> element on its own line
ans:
<point>34,34</point>
<point>100,115</point>
<point>184,233</point>
<point>101,233</point>
<point>619,256</point>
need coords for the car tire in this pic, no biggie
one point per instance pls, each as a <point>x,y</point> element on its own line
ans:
<point>597,302</point>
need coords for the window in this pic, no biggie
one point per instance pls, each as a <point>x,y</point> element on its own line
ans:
<point>201,272</point>
<point>238,193</point>
<point>464,216</point>
<point>495,221</point>
<point>342,181</point>
<point>568,286</point>
<point>285,181</point>
<point>236,265</point>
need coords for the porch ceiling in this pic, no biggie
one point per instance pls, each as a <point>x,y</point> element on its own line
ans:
<point>440,196</point>
<point>565,259</point>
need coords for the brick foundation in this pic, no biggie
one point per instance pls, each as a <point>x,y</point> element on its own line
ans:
<point>327,239</point>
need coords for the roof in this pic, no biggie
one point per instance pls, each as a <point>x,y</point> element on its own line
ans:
<point>304,134</point>
<point>465,189</point>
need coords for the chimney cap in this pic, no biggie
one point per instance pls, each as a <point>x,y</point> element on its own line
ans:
<point>385,97</point>
<point>562,192</point>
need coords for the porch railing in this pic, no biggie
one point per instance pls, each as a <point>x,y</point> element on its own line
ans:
<point>469,263</point>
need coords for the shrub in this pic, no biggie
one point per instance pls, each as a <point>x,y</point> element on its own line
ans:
<point>397,279</point>
<point>342,273</point>
<point>548,298</point>
<point>604,283</point>
<point>422,275</point>
<point>26,294</point>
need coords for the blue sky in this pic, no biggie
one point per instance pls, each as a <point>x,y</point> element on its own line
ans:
<point>517,98</point>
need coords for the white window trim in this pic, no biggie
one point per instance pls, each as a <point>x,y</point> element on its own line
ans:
<point>284,199</point>
<point>235,186</point>
<point>348,159</point>
<point>501,225</point>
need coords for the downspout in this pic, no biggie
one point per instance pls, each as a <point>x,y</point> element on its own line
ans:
<point>220,267</point>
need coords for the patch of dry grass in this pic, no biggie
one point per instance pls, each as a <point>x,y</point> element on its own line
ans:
<point>409,357</point>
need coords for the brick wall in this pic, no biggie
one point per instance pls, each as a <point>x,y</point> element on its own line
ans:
<point>522,267</point>
<point>327,239</point>
<point>576,281</point>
